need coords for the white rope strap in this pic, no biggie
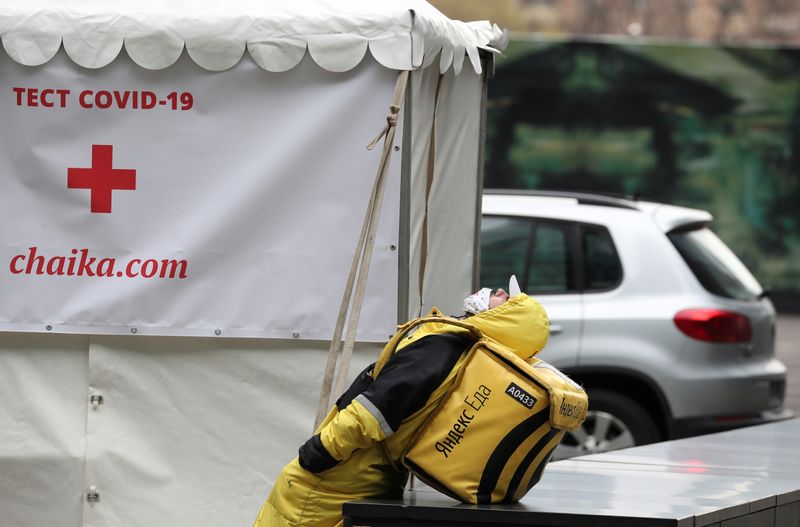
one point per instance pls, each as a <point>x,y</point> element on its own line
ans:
<point>361,263</point>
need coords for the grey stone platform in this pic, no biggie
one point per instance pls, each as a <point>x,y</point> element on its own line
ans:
<point>741,478</point>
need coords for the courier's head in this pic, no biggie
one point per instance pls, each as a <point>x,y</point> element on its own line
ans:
<point>488,298</point>
<point>513,319</point>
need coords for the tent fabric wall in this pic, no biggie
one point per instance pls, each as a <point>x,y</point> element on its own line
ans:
<point>191,431</point>
<point>194,432</point>
<point>456,182</point>
<point>43,404</point>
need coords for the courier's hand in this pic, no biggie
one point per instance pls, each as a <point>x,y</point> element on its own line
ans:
<point>314,457</point>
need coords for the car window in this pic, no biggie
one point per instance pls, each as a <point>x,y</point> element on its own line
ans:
<point>714,264</point>
<point>550,266</point>
<point>504,249</point>
<point>538,252</point>
<point>601,266</point>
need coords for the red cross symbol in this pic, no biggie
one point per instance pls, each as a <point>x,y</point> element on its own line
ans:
<point>101,179</point>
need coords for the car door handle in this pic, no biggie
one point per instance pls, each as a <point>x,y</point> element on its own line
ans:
<point>555,329</point>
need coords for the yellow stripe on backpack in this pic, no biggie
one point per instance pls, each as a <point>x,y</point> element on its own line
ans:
<point>496,428</point>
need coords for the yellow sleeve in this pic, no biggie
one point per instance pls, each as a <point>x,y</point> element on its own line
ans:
<point>351,429</point>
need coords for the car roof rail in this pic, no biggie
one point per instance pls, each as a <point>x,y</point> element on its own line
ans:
<point>584,198</point>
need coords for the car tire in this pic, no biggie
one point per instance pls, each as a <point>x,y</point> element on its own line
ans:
<point>613,421</point>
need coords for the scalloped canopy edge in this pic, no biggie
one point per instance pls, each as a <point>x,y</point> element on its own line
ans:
<point>399,34</point>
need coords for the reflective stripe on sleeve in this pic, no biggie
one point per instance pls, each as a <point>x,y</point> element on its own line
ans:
<point>374,412</point>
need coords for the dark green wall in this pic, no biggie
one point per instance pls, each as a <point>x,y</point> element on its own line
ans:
<point>716,128</point>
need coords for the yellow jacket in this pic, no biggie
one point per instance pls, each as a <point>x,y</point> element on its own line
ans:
<point>356,450</point>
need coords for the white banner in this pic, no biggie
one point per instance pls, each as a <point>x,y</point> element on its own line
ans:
<point>188,202</point>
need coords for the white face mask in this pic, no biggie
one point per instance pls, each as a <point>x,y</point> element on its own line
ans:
<point>479,302</point>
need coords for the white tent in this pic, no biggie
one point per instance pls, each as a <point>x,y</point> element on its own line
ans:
<point>182,187</point>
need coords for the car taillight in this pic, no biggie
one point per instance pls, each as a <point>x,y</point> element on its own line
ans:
<point>714,325</point>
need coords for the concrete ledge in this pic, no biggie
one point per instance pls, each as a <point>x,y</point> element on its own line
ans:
<point>748,477</point>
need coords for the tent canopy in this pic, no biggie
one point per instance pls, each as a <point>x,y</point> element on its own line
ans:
<point>399,34</point>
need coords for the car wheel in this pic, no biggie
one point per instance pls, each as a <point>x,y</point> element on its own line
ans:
<point>613,421</point>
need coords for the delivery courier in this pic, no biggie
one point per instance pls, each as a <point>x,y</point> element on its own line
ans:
<point>460,402</point>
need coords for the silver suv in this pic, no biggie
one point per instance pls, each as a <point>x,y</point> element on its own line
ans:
<point>650,311</point>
